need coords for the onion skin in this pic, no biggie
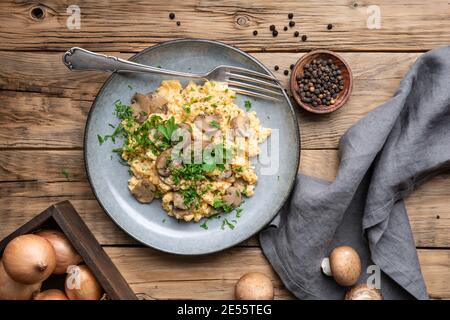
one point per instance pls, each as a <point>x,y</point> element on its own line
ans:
<point>51,294</point>
<point>65,252</point>
<point>12,290</point>
<point>29,259</point>
<point>89,288</point>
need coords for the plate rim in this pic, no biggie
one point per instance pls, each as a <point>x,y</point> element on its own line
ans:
<point>114,75</point>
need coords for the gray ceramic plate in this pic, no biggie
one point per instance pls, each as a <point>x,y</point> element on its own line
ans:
<point>148,223</point>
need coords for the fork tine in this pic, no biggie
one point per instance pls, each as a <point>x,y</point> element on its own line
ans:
<point>253,94</point>
<point>252,80</point>
<point>254,88</point>
<point>251,72</point>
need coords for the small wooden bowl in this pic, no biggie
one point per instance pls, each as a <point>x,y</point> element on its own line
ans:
<point>345,71</point>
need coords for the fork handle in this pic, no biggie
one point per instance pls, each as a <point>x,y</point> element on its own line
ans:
<point>82,59</point>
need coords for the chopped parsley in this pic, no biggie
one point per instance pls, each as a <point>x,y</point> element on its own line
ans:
<point>215,124</point>
<point>227,223</point>
<point>168,128</point>
<point>239,212</point>
<point>65,173</point>
<point>248,105</point>
<point>204,225</point>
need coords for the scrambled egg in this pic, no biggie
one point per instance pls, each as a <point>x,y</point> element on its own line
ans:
<point>191,147</point>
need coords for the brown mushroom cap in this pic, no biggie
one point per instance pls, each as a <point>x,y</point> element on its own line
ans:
<point>363,292</point>
<point>254,286</point>
<point>158,104</point>
<point>241,124</point>
<point>162,163</point>
<point>203,123</point>
<point>232,197</point>
<point>345,265</point>
<point>143,191</point>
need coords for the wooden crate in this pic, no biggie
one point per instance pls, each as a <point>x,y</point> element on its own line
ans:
<point>64,217</point>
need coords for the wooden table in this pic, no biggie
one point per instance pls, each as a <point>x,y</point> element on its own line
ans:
<point>44,108</point>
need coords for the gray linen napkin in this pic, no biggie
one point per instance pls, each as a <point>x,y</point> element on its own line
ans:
<point>384,156</point>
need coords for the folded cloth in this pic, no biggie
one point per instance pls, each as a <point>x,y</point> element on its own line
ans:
<point>384,156</point>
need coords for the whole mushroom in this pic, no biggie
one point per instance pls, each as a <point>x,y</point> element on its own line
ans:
<point>344,265</point>
<point>363,292</point>
<point>254,286</point>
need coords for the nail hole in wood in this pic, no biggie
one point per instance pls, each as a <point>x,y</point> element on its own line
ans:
<point>37,13</point>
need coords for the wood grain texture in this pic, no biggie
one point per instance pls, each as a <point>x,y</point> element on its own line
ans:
<point>162,276</point>
<point>36,177</point>
<point>118,25</point>
<point>55,104</point>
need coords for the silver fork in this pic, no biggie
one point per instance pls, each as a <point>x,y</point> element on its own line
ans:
<point>240,80</point>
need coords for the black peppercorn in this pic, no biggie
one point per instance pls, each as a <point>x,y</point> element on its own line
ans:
<point>286,72</point>
<point>285,28</point>
<point>272,27</point>
<point>296,34</point>
<point>291,24</point>
<point>291,66</point>
<point>255,32</point>
<point>304,37</point>
<point>172,16</point>
<point>329,26</point>
<point>276,68</point>
<point>290,15</point>
<point>178,23</point>
<point>274,33</point>
<point>320,83</point>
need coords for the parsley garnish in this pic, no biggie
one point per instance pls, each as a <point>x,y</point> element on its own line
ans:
<point>204,225</point>
<point>168,128</point>
<point>215,124</point>
<point>225,222</point>
<point>65,173</point>
<point>239,212</point>
<point>248,105</point>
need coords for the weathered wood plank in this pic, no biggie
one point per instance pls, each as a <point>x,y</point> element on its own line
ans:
<point>131,26</point>
<point>56,117</point>
<point>161,276</point>
<point>36,177</point>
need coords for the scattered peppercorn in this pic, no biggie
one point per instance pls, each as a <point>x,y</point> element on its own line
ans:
<point>304,37</point>
<point>255,32</point>
<point>291,66</point>
<point>286,72</point>
<point>178,23</point>
<point>330,26</point>
<point>291,24</point>
<point>290,15</point>
<point>296,34</point>
<point>272,27</point>
<point>320,83</point>
<point>274,33</point>
<point>172,16</point>
<point>276,68</point>
<point>285,28</point>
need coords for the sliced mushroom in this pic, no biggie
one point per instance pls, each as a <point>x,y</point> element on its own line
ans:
<point>143,191</point>
<point>183,135</point>
<point>240,185</point>
<point>178,201</point>
<point>241,124</point>
<point>205,123</point>
<point>181,213</point>
<point>225,174</point>
<point>143,105</point>
<point>162,163</point>
<point>158,104</point>
<point>232,197</point>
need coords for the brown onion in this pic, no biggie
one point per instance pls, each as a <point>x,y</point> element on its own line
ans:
<point>81,284</point>
<point>65,252</point>
<point>51,294</point>
<point>12,290</point>
<point>29,259</point>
